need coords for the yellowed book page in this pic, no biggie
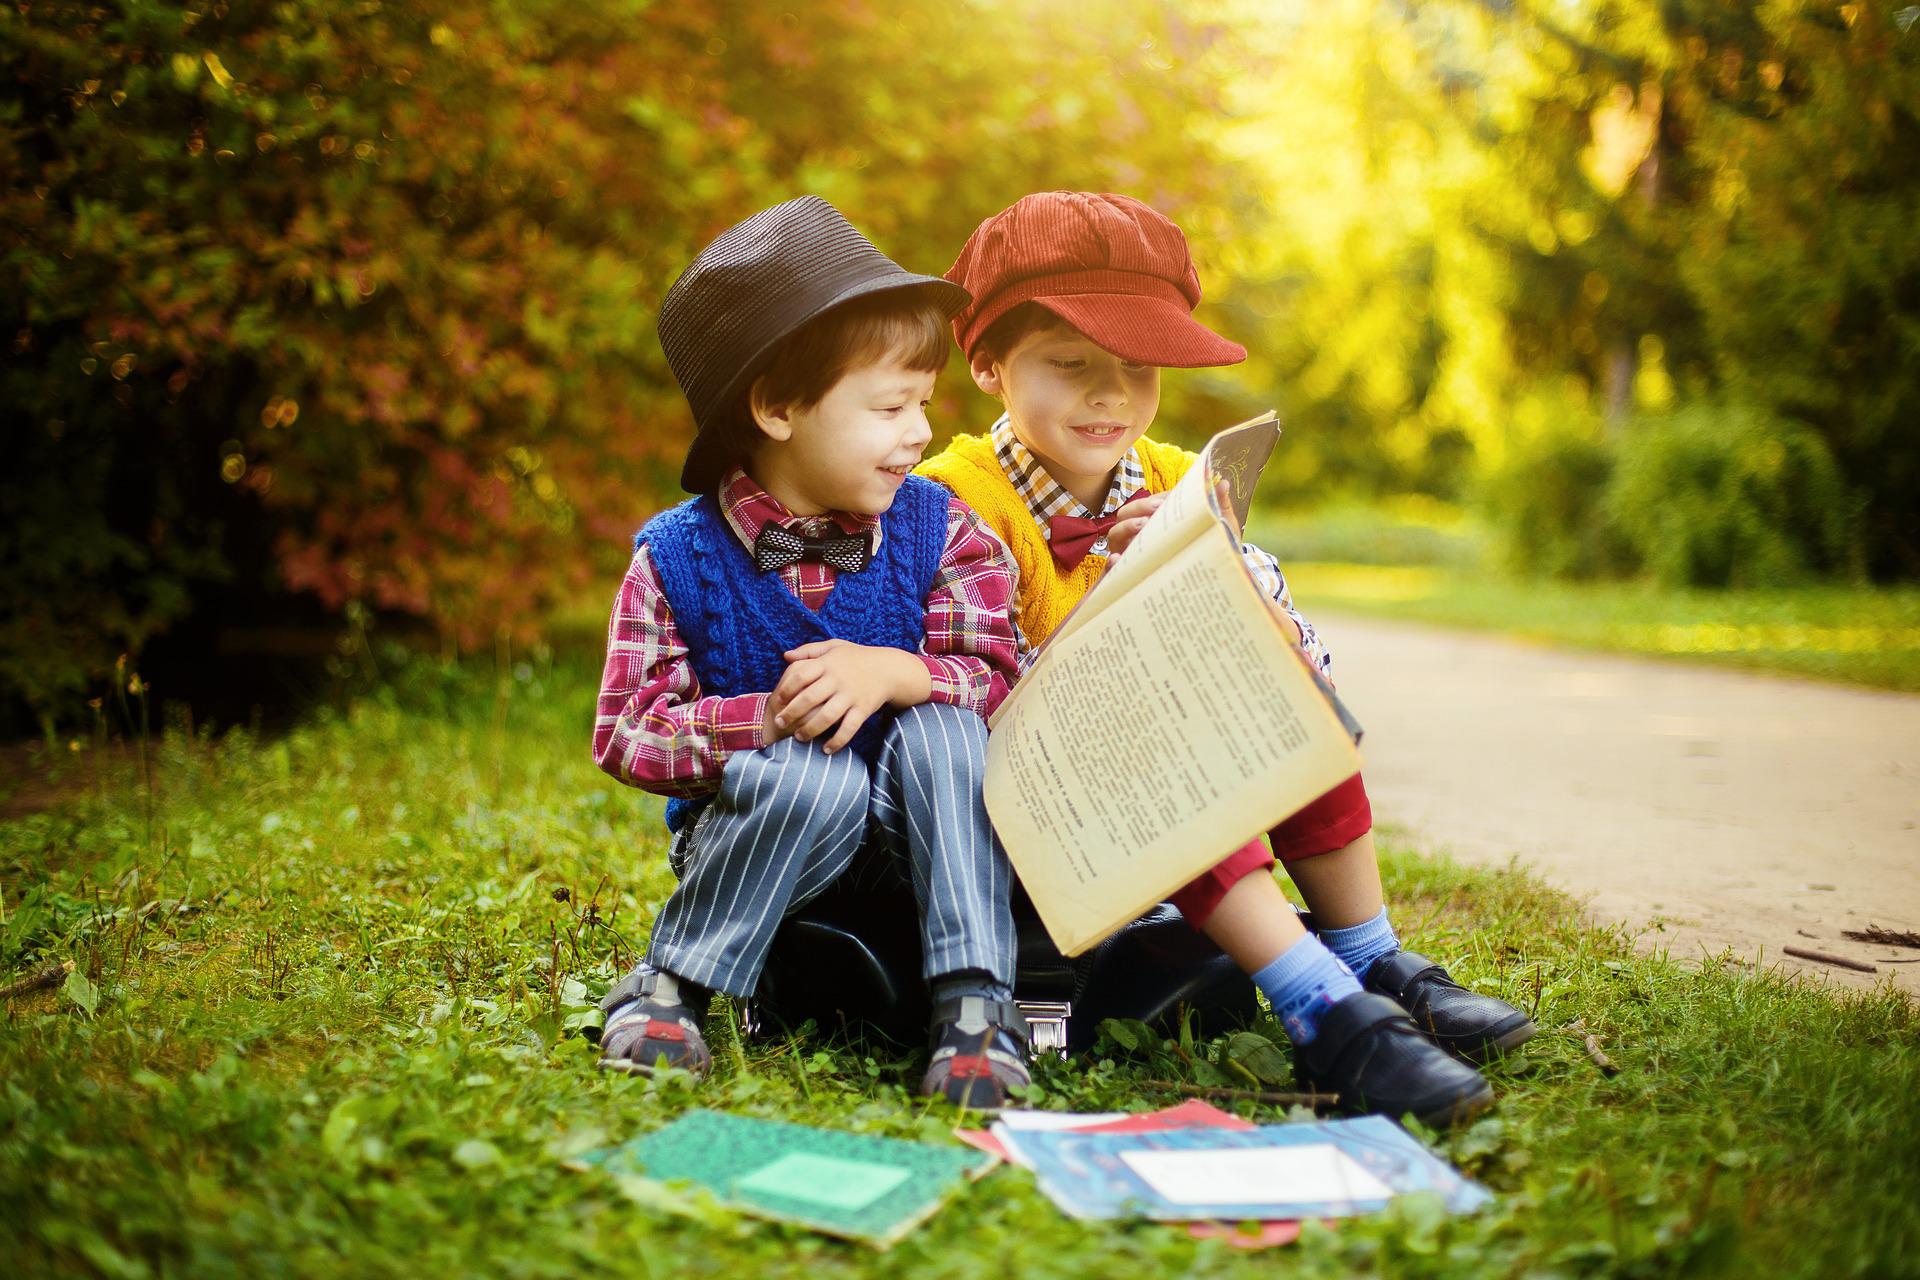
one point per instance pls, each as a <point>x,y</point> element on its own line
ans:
<point>1169,730</point>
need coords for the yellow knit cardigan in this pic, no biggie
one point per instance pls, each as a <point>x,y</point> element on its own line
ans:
<point>1047,593</point>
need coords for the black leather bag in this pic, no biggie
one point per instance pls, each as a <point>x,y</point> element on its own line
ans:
<point>850,960</point>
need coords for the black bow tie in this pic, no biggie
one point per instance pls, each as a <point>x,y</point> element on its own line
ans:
<point>778,546</point>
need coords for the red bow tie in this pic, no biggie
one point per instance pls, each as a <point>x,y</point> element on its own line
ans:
<point>1070,538</point>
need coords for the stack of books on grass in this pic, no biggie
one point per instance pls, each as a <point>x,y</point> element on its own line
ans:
<point>1192,1164</point>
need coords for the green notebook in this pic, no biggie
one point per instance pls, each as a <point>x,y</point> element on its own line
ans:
<point>845,1184</point>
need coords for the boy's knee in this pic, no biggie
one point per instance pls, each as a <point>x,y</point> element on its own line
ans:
<point>794,775</point>
<point>948,737</point>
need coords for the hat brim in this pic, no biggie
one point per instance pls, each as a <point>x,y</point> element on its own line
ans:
<point>707,459</point>
<point>1144,330</point>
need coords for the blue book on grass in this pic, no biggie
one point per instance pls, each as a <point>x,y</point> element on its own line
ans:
<point>1317,1169</point>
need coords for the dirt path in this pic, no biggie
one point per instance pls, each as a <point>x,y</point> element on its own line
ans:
<point>1716,809</point>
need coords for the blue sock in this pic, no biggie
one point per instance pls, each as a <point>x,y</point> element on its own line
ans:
<point>1303,984</point>
<point>1361,944</point>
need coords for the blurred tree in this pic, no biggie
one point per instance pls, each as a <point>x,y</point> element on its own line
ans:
<point>355,304</point>
<point>1766,160</point>
<point>1491,220</point>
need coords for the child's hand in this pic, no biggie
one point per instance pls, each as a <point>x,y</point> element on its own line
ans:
<point>1133,518</point>
<point>1223,496</point>
<point>836,682</point>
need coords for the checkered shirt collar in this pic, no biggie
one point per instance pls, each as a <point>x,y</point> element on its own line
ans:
<point>1044,496</point>
<point>747,507</point>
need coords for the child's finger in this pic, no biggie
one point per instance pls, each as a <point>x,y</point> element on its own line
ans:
<point>1121,536</point>
<point>812,649</point>
<point>1223,493</point>
<point>1140,508</point>
<point>849,725</point>
<point>802,703</point>
<point>821,718</point>
<point>796,677</point>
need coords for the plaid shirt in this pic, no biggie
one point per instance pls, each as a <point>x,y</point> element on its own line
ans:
<point>654,728</point>
<point>1045,499</point>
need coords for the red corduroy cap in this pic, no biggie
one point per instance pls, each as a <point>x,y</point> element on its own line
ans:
<point>1108,265</point>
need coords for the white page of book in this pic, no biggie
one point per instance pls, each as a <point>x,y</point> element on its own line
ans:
<point>1256,1176</point>
<point>1012,1122</point>
<point>1040,1120</point>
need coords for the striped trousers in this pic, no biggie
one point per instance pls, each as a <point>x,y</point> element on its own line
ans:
<point>788,821</point>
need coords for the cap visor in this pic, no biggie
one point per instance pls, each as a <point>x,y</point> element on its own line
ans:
<point>1145,330</point>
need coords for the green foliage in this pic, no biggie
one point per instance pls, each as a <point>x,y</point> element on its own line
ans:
<point>1471,204</point>
<point>358,302</point>
<point>1712,495</point>
<point>355,304</point>
<point>1724,496</point>
<point>1408,530</point>
<point>329,1035</point>
<point>1547,504</point>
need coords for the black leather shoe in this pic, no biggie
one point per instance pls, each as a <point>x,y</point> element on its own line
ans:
<point>1369,1052</point>
<point>1465,1023</point>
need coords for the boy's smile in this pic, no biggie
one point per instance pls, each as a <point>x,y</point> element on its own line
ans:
<point>850,451</point>
<point>1077,407</point>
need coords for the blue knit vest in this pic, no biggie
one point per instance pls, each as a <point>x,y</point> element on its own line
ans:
<point>737,621</point>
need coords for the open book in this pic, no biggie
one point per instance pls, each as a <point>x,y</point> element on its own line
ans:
<point>1167,721</point>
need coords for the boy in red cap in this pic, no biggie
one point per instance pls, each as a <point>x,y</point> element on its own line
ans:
<point>1079,300</point>
<point>801,656</point>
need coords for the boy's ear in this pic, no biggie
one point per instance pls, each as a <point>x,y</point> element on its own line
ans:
<point>986,372</point>
<point>774,420</point>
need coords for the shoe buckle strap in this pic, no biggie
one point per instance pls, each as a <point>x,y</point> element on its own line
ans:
<point>1046,1025</point>
<point>974,1014</point>
<point>1344,1023</point>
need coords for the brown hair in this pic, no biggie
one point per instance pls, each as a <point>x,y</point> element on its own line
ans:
<point>805,365</point>
<point>1005,333</point>
<point>905,324</point>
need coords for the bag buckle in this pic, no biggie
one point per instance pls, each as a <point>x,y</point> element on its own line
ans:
<point>1046,1025</point>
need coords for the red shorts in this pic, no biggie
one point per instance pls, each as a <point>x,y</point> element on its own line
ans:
<point>1332,822</point>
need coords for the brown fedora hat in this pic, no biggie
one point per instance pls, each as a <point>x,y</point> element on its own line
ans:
<point>753,286</point>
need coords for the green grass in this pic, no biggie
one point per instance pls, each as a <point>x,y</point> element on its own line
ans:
<point>323,1028</point>
<point>1858,635</point>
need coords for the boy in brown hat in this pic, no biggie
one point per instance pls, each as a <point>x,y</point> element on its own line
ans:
<point>802,656</point>
<point>1078,301</point>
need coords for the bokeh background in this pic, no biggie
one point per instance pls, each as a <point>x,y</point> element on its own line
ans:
<point>324,320</point>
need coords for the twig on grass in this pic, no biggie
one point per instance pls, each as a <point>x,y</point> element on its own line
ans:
<point>1314,1099</point>
<point>1827,957</point>
<point>51,976</point>
<point>1591,1043</point>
